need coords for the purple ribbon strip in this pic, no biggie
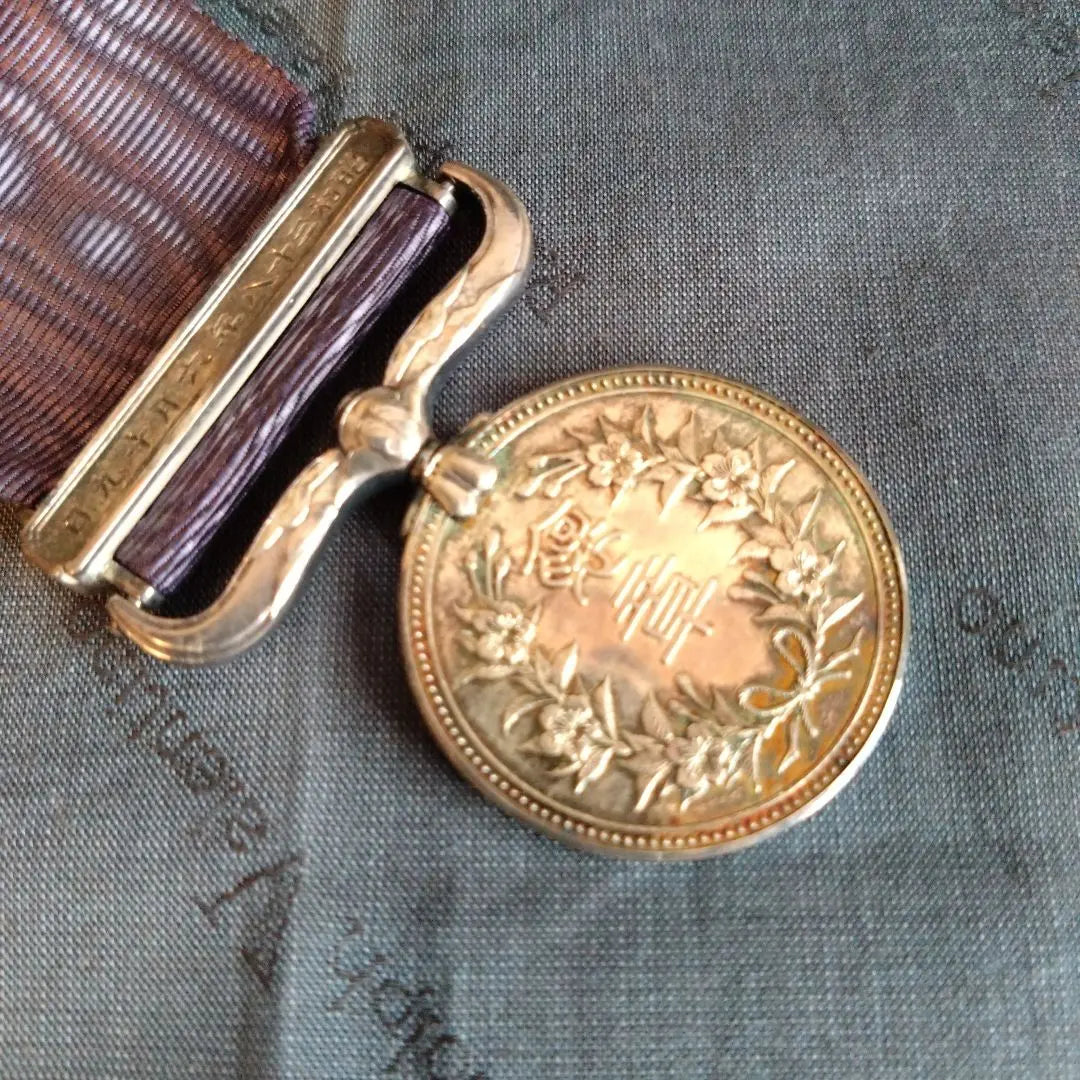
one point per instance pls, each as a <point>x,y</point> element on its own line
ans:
<point>179,525</point>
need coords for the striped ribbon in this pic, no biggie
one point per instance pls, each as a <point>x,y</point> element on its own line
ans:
<point>139,145</point>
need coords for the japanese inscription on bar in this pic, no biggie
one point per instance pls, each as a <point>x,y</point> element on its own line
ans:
<point>198,371</point>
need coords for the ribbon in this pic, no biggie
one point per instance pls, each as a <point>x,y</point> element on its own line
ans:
<point>139,145</point>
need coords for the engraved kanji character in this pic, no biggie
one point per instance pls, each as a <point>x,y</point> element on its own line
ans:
<point>567,547</point>
<point>663,604</point>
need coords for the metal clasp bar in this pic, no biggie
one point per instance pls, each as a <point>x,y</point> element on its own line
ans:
<point>75,533</point>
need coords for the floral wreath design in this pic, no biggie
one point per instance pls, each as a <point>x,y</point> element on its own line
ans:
<point>699,741</point>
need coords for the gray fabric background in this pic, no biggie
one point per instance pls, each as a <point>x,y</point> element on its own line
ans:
<point>267,870</point>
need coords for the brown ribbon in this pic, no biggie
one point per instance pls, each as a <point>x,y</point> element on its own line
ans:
<point>139,145</point>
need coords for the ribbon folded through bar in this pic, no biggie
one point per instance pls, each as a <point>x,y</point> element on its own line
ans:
<point>174,532</point>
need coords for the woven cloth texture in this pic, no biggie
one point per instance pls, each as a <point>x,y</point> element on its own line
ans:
<point>139,144</point>
<point>268,870</point>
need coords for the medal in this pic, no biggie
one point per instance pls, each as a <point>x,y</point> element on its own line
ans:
<point>675,622</point>
<point>648,611</point>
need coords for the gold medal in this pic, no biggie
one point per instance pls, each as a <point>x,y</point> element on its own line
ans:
<point>676,622</point>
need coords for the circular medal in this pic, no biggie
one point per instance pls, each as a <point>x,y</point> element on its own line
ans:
<point>676,623</point>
